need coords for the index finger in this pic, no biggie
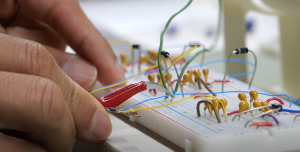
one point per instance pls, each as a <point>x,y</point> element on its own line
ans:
<point>67,18</point>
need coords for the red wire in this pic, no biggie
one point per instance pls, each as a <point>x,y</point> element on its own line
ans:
<point>264,125</point>
<point>275,98</point>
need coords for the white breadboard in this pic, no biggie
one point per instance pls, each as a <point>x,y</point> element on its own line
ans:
<point>179,122</point>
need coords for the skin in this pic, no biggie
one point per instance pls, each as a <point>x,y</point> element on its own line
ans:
<point>40,94</point>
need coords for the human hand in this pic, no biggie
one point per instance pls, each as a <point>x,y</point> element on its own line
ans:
<point>55,23</point>
<point>37,98</point>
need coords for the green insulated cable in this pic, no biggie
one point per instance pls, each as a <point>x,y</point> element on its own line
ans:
<point>212,47</point>
<point>162,41</point>
<point>184,67</point>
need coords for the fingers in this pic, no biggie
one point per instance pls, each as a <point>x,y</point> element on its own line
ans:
<point>7,8</point>
<point>67,18</point>
<point>23,26</point>
<point>38,109</point>
<point>77,68</point>
<point>8,143</point>
<point>22,56</point>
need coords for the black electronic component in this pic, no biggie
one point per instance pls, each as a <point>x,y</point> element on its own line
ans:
<point>241,50</point>
<point>195,43</point>
<point>136,46</point>
<point>165,54</point>
<point>276,106</point>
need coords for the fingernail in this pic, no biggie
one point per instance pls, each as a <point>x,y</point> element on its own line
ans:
<point>101,126</point>
<point>80,71</point>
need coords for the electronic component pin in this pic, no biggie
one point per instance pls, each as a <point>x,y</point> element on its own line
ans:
<point>114,110</point>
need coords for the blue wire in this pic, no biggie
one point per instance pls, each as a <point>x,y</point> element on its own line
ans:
<point>190,67</point>
<point>290,110</point>
<point>208,93</point>
<point>240,75</point>
<point>295,102</point>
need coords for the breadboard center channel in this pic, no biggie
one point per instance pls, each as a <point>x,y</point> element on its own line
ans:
<point>180,123</point>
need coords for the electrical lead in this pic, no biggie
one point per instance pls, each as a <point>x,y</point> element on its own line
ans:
<point>167,55</point>
<point>237,52</point>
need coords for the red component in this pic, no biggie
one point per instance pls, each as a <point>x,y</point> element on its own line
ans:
<point>198,96</point>
<point>183,60</point>
<point>175,81</point>
<point>234,112</point>
<point>154,91</point>
<point>134,62</point>
<point>275,98</point>
<point>221,81</point>
<point>116,98</point>
<point>264,125</point>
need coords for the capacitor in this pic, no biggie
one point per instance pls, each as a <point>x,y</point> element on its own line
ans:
<point>244,105</point>
<point>188,77</point>
<point>167,78</point>
<point>208,106</point>
<point>264,103</point>
<point>205,73</point>
<point>144,59</point>
<point>216,104</point>
<point>159,79</point>
<point>123,58</point>
<point>151,78</point>
<point>224,101</point>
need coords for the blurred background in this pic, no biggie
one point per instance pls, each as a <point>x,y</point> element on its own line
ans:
<point>141,22</point>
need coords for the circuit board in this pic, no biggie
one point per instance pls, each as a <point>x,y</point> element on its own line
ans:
<point>180,124</point>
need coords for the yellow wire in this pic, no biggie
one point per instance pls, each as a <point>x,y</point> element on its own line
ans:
<point>122,41</point>
<point>128,78</point>
<point>122,81</point>
<point>157,106</point>
<point>183,55</point>
<point>223,107</point>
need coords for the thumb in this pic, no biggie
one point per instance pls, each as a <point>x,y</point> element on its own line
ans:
<point>78,69</point>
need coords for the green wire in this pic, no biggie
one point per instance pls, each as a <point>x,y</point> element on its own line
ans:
<point>183,69</point>
<point>216,40</point>
<point>212,47</point>
<point>162,41</point>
